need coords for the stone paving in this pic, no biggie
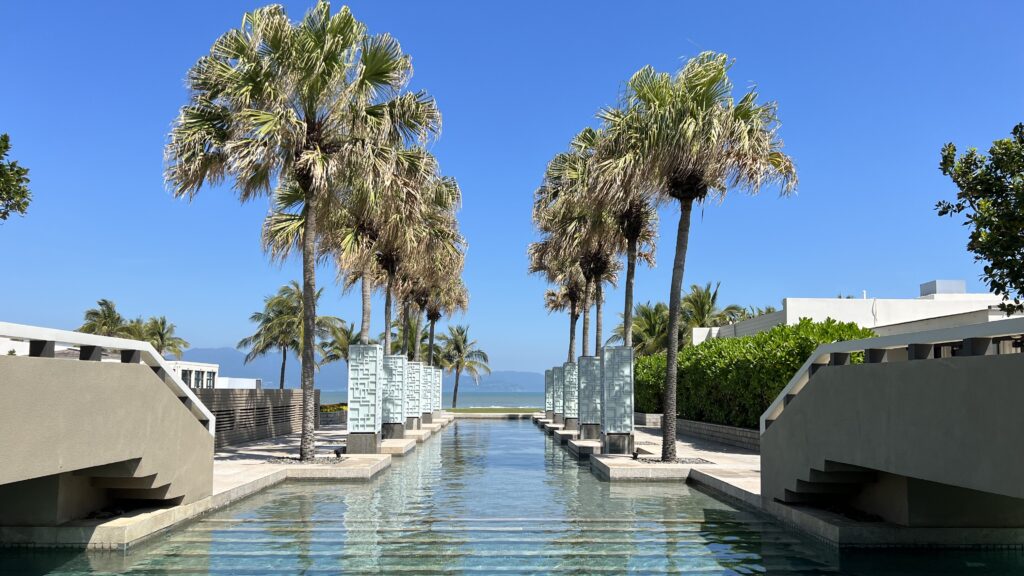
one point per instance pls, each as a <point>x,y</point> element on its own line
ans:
<point>733,471</point>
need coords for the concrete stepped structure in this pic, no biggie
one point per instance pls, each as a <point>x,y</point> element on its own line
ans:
<point>84,436</point>
<point>922,437</point>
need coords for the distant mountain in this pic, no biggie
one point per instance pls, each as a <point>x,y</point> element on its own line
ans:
<point>334,377</point>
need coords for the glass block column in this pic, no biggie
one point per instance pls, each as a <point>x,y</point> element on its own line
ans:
<point>571,396</point>
<point>426,392</point>
<point>412,396</point>
<point>549,408</point>
<point>556,394</point>
<point>393,425</point>
<point>438,392</point>
<point>365,398</point>
<point>617,400</point>
<point>589,374</point>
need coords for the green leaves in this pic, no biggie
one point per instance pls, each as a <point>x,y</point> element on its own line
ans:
<point>732,381</point>
<point>14,193</point>
<point>991,198</point>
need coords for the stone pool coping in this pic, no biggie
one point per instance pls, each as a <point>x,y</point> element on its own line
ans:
<point>238,472</point>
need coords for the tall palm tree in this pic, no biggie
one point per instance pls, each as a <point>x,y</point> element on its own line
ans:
<point>312,106</point>
<point>160,333</point>
<point>700,308</point>
<point>104,320</point>
<point>686,139</point>
<point>447,295</point>
<point>566,275</point>
<point>460,354</point>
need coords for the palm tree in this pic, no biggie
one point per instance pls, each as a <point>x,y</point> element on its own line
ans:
<point>460,354</point>
<point>447,295</point>
<point>650,329</point>
<point>700,308</point>
<point>280,326</point>
<point>313,107</point>
<point>160,333</point>
<point>335,346</point>
<point>686,139</point>
<point>105,320</point>
<point>566,275</point>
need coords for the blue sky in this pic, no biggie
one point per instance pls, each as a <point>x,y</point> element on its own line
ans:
<point>867,92</point>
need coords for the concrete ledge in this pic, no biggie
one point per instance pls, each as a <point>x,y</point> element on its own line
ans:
<point>493,415</point>
<point>130,529</point>
<point>549,429</point>
<point>564,436</point>
<point>397,447</point>
<point>432,427</point>
<point>835,530</point>
<point>356,467</point>
<point>711,480</point>
<point>615,468</point>
<point>420,436</point>
<point>583,449</point>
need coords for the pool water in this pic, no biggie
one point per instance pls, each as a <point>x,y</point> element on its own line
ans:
<point>491,497</point>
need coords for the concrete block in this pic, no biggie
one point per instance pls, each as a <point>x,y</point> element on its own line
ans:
<point>363,443</point>
<point>393,431</point>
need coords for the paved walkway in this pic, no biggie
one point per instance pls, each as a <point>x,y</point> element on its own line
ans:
<point>235,466</point>
<point>732,470</point>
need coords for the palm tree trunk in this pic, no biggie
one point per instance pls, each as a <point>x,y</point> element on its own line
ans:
<point>668,419</point>
<point>307,448</point>
<point>455,393</point>
<point>387,315</point>
<point>573,316</point>
<point>284,360</point>
<point>586,319</point>
<point>430,349</point>
<point>364,328</point>
<point>405,328</point>
<point>597,318</point>
<point>416,338</point>
<point>627,314</point>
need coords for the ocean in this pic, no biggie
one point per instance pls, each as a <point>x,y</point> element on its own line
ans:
<point>468,398</point>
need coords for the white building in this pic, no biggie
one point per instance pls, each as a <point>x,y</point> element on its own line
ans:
<point>941,304</point>
<point>205,375</point>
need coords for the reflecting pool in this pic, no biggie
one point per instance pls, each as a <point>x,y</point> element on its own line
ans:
<point>491,497</point>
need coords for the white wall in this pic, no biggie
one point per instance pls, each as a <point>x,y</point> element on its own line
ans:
<point>238,383</point>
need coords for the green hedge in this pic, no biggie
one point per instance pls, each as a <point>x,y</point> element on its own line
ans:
<point>733,380</point>
<point>649,383</point>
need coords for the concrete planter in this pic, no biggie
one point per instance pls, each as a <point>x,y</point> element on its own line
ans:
<point>334,418</point>
<point>647,419</point>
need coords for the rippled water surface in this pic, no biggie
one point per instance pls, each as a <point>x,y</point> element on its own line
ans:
<point>491,498</point>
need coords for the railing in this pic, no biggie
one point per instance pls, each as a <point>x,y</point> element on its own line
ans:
<point>42,342</point>
<point>986,338</point>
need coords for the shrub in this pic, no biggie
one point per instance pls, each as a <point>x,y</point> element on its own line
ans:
<point>649,383</point>
<point>339,407</point>
<point>733,380</point>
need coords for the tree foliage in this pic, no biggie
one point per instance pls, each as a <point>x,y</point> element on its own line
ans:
<point>991,199</point>
<point>732,381</point>
<point>14,193</point>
